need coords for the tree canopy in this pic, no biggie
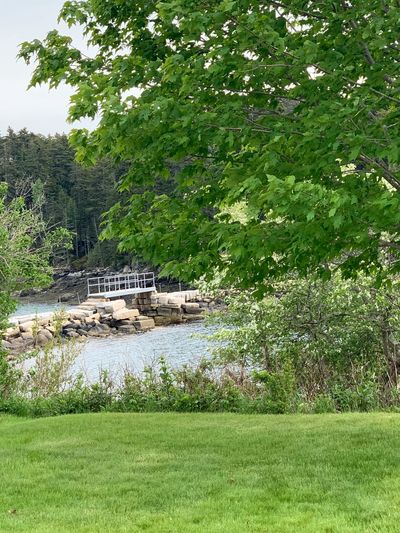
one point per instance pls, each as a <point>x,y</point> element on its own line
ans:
<point>281,119</point>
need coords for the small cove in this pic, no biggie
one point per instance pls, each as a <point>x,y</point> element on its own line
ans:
<point>179,345</point>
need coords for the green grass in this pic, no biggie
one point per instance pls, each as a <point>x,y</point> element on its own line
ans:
<point>195,473</point>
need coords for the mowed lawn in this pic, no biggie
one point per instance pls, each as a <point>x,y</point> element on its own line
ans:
<point>200,472</point>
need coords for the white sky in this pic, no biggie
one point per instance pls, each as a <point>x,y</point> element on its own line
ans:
<point>39,110</point>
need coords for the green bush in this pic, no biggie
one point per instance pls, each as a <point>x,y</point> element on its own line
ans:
<point>334,345</point>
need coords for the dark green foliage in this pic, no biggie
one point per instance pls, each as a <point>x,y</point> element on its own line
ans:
<point>289,110</point>
<point>72,196</point>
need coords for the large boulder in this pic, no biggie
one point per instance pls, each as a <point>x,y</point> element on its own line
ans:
<point>144,324</point>
<point>192,308</point>
<point>164,311</point>
<point>111,307</point>
<point>42,339</point>
<point>127,329</point>
<point>12,332</point>
<point>125,314</point>
<point>27,327</point>
<point>79,314</point>
<point>46,334</point>
<point>162,320</point>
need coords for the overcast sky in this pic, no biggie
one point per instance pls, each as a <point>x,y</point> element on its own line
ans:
<point>39,110</point>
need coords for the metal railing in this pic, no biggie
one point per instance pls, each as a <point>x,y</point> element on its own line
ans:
<point>121,284</point>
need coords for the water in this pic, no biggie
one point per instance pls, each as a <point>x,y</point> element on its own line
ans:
<point>36,308</point>
<point>178,344</point>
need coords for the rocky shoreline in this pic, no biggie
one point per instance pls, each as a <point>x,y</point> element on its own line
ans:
<point>101,317</point>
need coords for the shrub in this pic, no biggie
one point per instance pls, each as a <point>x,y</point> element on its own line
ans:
<point>315,339</point>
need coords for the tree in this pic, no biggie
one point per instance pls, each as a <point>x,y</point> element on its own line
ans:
<point>26,248</point>
<point>287,112</point>
<point>74,197</point>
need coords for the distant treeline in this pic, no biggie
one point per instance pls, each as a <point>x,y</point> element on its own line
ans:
<point>73,196</point>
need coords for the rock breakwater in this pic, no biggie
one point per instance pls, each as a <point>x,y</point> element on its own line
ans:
<point>100,317</point>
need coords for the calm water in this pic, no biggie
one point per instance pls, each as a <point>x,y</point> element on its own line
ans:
<point>31,309</point>
<point>178,344</point>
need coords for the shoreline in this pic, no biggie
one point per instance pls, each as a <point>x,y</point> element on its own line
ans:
<point>103,318</point>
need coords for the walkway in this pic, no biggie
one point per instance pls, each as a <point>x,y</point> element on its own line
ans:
<point>121,285</point>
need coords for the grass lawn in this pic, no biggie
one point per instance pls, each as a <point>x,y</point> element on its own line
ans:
<point>203,472</point>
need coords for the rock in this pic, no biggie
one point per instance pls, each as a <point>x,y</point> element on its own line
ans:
<point>88,307</point>
<point>192,306</point>
<point>79,314</point>
<point>163,300</point>
<point>162,320</point>
<point>82,332</point>
<point>46,333</point>
<point>103,327</point>
<point>176,300</point>
<point>144,324</point>
<point>6,345</point>
<point>41,340</point>
<point>192,318</point>
<point>67,297</point>
<point>12,332</point>
<point>193,311</point>
<point>112,307</point>
<point>125,314</point>
<point>72,334</point>
<point>72,325</point>
<point>27,326</point>
<point>127,329</point>
<point>176,319</point>
<point>164,311</point>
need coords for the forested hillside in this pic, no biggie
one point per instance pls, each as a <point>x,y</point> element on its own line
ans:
<point>74,197</point>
